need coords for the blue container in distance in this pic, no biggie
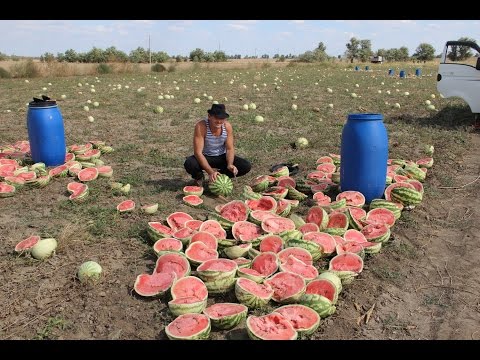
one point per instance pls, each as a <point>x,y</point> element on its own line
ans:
<point>46,132</point>
<point>364,155</point>
<point>402,74</point>
<point>356,68</point>
<point>391,72</point>
<point>367,68</point>
<point>418,72</point>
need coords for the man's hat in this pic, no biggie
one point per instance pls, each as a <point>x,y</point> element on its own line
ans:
<point>218,110</point>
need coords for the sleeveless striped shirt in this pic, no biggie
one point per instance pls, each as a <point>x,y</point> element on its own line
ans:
<point>214,145</point>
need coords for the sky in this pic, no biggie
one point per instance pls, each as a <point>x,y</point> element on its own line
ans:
<point>243,37</point>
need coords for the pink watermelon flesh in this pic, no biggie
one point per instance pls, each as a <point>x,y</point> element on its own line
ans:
<point>235,211</point>
<point>151,285</point>
<point>246,231</point>
<point>337,220</point>
<point>315,215</point>
<point>224,265</point>
<point>206,238</point>
<point>327,168</point>
<point>126,205</point>
<point>249,271</point>
<point>263,291</point>
<point>300,316</point>
<point>338,239</point>
<point>193,200</point>
<point>373,231</point>
<point>187,325</point>
<point>354,235</point>
<point>265,264</point>
<point>27,243</point>
<point>219,310</point>
<point>416,184</point>
<point>354,198</point>
<point>326,241</point>
<point>57,170</point>
<point>194,224</point>
<point>88,174</point>
<point>271,327</point>
<point>316,175</point>
<point>346,262</point>
<point>321,199</point>
<point>6,188</point>
<point>277,225</point>
<point>261,215</point>
<point>193,190</point>
<point>160,228</point>
<point>273,243</point>
<point>241,261</point>
<point>424,161</point>
<point>200,252</point>
<point>389,188</point>
<point>178,219</point>
<point>189,286</point>
<point>286,180</point>
<point>29,175</point>
<point>285,284</point>
<point>214,228</point>
<point>350,246</point>
<point>172,263</point>
<point>264,203</point>
<point>357,213</point>
<point>75,187</point>
<point>300,253</point>
<point>299,267</point>
<point>308,227</point>
<point>166,244</point>
<point>183,233</point>
<point>380,216</point>
<point>324,159</point>
<point>322,287</point>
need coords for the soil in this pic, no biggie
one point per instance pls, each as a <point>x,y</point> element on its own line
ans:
<point>423,285</point>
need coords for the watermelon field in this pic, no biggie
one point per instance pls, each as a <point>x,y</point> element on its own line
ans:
<point>416,279</point>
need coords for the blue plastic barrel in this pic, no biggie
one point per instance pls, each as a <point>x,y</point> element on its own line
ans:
<point>46,132</point>
<point>367,68</point>
<point>418,72</point>
<point>402,74</point>
<point>364,155</point>
<point>391,72</point>
<point>357,68</point>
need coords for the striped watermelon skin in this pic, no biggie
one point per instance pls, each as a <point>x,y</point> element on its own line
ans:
<point>223,185</point>
<point>406,196</point>
<point>226,321</point>
<point>380,203</point>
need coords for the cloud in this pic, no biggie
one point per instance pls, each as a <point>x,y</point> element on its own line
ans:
<point>146,22</point>
<point>245,21</point>
<point>297,21</point>
<point>286,34</point>
<point>176,28</point>
<point>238,27</point>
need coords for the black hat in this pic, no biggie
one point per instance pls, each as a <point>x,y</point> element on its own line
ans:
<point>218,110</point>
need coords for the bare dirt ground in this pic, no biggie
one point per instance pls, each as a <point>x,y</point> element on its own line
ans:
<point>402,294</point>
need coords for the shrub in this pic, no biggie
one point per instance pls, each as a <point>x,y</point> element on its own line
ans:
<point>172,67</point>
<point>25,69</point>
<point>104,69</point>
<point>4,74</point>
<point>158,68</point>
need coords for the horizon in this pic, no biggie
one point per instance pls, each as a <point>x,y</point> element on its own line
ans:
<point>233,37</point>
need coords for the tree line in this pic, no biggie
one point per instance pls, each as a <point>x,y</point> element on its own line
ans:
<point>356,50</point>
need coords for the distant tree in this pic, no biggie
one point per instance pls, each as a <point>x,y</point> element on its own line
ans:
<point>197,55</point>
<point>381,52</point>
<point>402,54</point>
<point>265,56</point>
<point>60,57</point>
<point>160,57</point>
<point>365,50</point>
<point>353,49</point>
<point>96,55</point>
<point>47,57</point>
<point>219,56</point>
<point>3,56</point>
<point>139,55</point>
<point>114,55</point>
<point>459,53</point>
<point>321,47</point>
<point>71,56</point>
<point>424,52</point>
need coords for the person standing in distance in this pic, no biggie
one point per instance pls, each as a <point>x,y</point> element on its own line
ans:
<point>213,148</point>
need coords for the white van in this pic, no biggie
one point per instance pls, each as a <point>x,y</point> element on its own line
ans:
<point>460,77</point>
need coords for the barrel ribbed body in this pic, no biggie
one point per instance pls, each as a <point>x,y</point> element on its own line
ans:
<point>46,134</point>
<point>364,155</point>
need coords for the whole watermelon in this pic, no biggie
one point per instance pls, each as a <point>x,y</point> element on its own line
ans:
<point>223,185</point>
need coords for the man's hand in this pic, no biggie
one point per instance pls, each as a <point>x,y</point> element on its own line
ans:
<point>213,176</point>
<point>233,169</point>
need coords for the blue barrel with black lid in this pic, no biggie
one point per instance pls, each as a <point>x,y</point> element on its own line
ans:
<point>46,132</point>
<point>364,155</point>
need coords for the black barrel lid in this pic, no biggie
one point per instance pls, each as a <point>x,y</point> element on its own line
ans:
<point>45,101</point>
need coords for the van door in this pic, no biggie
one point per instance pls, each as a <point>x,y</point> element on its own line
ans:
<point>459,72</point>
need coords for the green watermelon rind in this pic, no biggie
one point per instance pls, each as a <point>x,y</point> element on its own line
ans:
<point>228,322</point>
<point>201,335</point>
<point>305,331</point>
